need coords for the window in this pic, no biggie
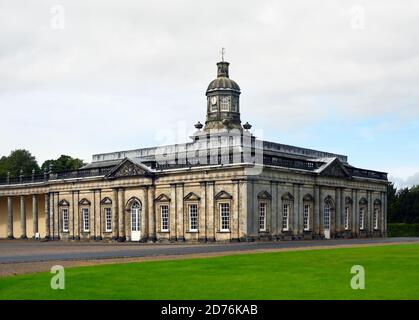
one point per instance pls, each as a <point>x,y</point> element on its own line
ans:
<point>235,105</point>
<point>135,217</point>
<point>108,219</point>
<point>376,212</point>
<point>225,103</point>
<point>164,210</point>
<point>361,218</point>
<point>193,217</point>
<point>306,219</point>
<point>214,108</point>
<point>286,217</point>
<point>65,220</point>
<point>262,216</point>
<point>225,216</point>
<point>326,217</point>
<point>346,219</point>
<point>86,226</point>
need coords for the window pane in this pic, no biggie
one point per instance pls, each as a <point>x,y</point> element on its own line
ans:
<point>225,216</point>
<point>193,217</point>
<point>306,217</point>
<point>262,216</point>
<point>285,217</point>
<point>164,217</point>
<point>326,218</point>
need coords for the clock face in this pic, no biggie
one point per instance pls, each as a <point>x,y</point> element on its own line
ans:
<point>214,100</point>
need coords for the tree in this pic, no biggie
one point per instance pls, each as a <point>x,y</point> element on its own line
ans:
<point>18,160</point>
<point>63,163</point>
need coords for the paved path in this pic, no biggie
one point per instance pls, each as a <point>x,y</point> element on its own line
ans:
<point>16,251</point>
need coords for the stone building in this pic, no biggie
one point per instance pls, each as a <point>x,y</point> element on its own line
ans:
<point>224,185</point>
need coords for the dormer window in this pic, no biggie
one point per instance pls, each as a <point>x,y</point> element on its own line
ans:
<point>225,103</point>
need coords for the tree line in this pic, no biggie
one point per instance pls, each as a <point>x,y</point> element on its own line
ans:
<point>403,204</point>
<point>23,162</point>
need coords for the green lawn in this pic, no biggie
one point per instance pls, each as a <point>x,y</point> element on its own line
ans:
<point>392,272</point>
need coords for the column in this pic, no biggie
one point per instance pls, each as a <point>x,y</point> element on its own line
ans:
<point>172,213</point>
<point>47,222</point>
<point>57,228</point>
<point>121,216</point>
<point>144,215</point>
<point>355,212</point>
<point>98,215</point>
<point>301,210</point>
<point>115,214</point>
<point>202,227</point>
<point>296,213</point>
<point>370,226</point>
<point>342,210</point>
<point>211,222</point>
<point>152,214</point>
<point>76,215</point>
<point>316,216</point>
<point>22,217</point>
<point>10,217</point>
<point>35,214</point>
<point>279,193</point>
<point>274,209</point>
<point>336,226</point>
<point>180,212</point>
<point>385,214</point>
<point>51,214</point>
<point>237,200</point>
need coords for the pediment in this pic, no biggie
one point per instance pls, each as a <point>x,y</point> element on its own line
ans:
<point>63,203</point>
<point>192,197</point>
<point>128,168</point>
<point>363,201</point>
<point>335,169</point>
<point>377,202</point>
<point>223,195</point>
<point>287,196</point>
<point>106,201</point>
<point>264,195</point>
<point>329,200</point>
<point>84,202</point>
<point>308,197</point>
<point>162,198</point>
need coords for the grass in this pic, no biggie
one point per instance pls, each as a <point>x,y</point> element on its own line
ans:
<point>392,272</point>
<point>403,230</point>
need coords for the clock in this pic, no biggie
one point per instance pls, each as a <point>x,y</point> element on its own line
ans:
<point>214,100</point>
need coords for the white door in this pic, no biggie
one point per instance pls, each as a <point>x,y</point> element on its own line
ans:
<point>136,222</point>
<point>326,221</point>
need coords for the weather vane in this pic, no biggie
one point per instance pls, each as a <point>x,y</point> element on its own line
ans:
<point>223,51</point>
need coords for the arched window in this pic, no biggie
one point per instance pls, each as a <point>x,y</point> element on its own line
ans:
<point>135,216</point>
<point>363,203</point>
<point>326,217</point>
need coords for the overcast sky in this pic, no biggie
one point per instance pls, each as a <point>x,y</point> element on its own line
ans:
<point>85,77</point>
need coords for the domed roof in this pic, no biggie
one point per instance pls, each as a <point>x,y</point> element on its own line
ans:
<point>223,83</point>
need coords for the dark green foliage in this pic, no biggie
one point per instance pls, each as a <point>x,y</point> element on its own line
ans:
<point>23,160</point>
<point>63,163</point>
<point>403,230</point>
<point>403,205</point>
<point>18,160</point>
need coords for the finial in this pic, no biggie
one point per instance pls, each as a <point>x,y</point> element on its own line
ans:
<point>199,125</point>
<point>247,126</point>
<point>223,51</point>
